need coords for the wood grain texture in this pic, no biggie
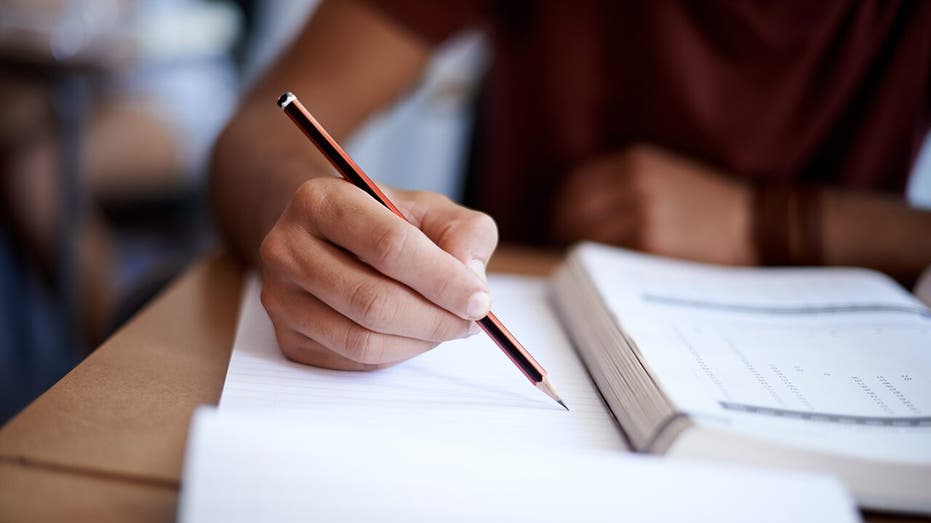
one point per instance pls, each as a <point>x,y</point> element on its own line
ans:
<point>125,409</point>
<point>36,495</point>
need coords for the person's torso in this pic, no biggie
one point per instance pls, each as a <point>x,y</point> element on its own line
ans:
<point>806,92</point>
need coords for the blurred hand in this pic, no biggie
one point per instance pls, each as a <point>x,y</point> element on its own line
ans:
<point>421,283</point>
<point>653,200</point>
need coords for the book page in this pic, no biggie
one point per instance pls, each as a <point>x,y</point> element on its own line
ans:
<point>272,467</point>
<point>838,359</point>
<point>464,389</point>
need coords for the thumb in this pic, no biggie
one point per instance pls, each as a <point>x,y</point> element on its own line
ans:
<point>470,236</point>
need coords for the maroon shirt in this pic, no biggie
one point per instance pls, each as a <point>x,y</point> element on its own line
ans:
<point>829,92</point>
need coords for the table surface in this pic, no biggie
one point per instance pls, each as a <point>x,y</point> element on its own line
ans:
<point>106,442</point>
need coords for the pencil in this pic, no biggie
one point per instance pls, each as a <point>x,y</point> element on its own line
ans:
<point>354,174</point>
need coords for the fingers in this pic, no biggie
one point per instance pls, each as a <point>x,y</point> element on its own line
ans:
<point>357,291</point>
<point>349,285</point>
<point>470,236</point>
<point>620,229</point>
<point>598,203</point>
<point>578,211</point>
<point>311,332</point>
<point>299,348</point>
<point>348,217</point>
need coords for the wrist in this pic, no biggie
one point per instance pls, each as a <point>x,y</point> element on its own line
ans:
<point>786,226</point>
<point>742,221</point>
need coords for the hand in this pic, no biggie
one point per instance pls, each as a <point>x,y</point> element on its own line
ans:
<point>650,199</point>
<point>348,285</point>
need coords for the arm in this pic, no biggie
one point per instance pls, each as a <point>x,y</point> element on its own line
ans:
<point>345,65</point>
<point>878,231</point>
<point>651,199</point>
<point>281,207</point>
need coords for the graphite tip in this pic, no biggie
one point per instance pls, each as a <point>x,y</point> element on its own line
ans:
<point>547,387</point>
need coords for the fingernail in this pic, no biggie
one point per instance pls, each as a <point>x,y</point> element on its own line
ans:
<point>479,303</point>
<point>474,329</point>
<point>478,267</point>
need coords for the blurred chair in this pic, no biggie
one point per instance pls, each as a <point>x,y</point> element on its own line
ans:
<point>109,109</point>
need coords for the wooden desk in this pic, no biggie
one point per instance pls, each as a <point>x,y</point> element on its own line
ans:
<point>107,441</point>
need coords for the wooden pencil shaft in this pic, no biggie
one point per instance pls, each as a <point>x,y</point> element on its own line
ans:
<point>511,347</point>
<point>354,174</point>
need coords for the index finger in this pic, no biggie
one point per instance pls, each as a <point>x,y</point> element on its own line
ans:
<point>352,219</point>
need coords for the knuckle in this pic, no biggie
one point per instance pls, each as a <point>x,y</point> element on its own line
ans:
<point>414,203</point>
<point>628,159</point>
<point>389,244</point>
<point>637,150</point>
<point>270,250</point>
<point>276,253</point>
<point>290,345</point>
<point>362,345</point>
<point>444,329</point>
<point>442,287</point>
<point>645,239</point>
<point>310,197</point>
<point>484,224</point>
<point>430,198</point>
<point>580,176</point>
<point>637,157</point>
<point>423,197</point>
<point>294,352</point>
<point>446,237</point>
<point>371,305</point>
<point>473,230</point>
<point>267,299</point>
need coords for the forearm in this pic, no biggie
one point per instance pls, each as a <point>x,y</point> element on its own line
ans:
<point>258,164</point>
<point>347,63</point>
<point>877,231</point>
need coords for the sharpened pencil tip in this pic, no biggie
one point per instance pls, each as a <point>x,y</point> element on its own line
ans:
<point>547,388</point>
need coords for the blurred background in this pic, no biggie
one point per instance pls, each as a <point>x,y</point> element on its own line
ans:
<point>108,109</point>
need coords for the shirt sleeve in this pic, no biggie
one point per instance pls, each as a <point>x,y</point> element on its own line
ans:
<point>435,20</point>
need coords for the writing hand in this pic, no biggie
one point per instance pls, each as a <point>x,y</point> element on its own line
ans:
<point>349,285</point>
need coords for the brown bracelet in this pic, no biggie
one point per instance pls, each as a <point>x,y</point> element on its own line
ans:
<point>809,221</point>
<point>771,224</point>
<point>787,225</point>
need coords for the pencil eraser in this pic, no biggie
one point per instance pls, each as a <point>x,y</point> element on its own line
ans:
<point>285,99</point>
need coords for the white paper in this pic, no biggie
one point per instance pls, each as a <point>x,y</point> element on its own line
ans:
<point>248,467</point>
<point>467,387</point>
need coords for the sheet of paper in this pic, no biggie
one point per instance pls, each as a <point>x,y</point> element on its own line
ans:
<point>464,389</point>
<point>837,359</point>
<point>252,467</point>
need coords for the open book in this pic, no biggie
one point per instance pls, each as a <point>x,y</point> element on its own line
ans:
<point>822,369</point>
